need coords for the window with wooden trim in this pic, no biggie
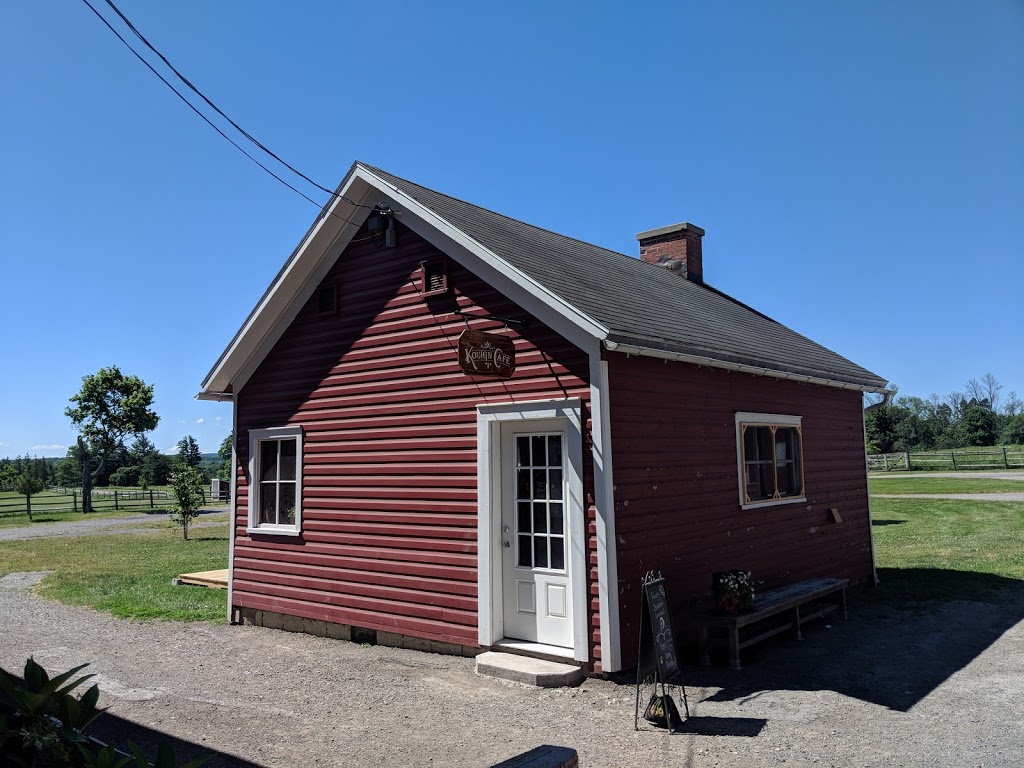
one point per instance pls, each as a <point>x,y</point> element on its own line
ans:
<point>275,480</point>
<point>770,459</point>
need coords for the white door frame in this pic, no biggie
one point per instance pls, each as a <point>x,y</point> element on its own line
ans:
<point>490,614</point>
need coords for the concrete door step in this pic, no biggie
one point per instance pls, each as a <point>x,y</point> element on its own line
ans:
<point>524,669</point>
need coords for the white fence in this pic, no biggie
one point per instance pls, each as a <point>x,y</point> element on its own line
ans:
<point>996,458</point>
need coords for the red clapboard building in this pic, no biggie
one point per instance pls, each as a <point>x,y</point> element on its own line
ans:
<point>457,431</point>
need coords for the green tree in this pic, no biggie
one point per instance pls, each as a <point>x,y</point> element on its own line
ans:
<point>126,476</point>
<point>28,484</point>
<point>188,452</point>
<point>188,485</point>
<point>109,408</point>
<point>979,425</point>
<point>1013,432</point>
<point>224,454</point>
<point>69,471</point>
<point>8,473</point>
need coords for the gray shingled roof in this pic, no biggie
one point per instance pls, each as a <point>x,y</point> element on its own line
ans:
<point>639,303</point>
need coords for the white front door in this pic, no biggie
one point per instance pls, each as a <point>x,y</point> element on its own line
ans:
<point>535,530</point>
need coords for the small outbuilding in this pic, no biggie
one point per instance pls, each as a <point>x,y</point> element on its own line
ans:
<point>458,431</point>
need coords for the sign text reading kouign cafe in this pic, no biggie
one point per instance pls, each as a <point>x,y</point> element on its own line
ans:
<point>487,354</point>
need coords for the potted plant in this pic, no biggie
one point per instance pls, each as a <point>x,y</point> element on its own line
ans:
<point>733,591</point>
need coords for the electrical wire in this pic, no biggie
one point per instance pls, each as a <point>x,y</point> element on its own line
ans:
<point>218,130</point>
<point>218,110</point>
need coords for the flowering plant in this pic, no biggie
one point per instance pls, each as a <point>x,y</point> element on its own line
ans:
<point>733,591</point>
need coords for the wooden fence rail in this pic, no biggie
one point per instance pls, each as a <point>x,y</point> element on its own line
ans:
<point>64,500</point>
<point>997,458</point>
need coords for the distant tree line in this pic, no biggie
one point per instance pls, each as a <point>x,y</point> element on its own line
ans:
<point>138,466</point>
<point>980,415</point>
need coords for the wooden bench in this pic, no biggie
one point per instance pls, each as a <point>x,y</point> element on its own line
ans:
<point>774,611</point>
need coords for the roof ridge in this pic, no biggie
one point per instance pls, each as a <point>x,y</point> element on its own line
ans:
<point>498,213</point>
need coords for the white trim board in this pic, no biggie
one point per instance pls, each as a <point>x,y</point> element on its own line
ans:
<point>490,619</point>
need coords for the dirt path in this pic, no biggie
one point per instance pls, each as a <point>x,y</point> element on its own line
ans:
<point>938,686</point>
<point>87,526</point>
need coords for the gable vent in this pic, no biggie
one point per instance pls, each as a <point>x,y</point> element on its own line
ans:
<point>327,300</point>
<point>433,276</point>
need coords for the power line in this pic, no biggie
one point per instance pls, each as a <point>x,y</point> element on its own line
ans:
<point>218,130</point>
<point>218,110</point>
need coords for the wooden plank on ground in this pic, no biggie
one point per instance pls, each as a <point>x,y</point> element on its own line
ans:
<point>215,579</point>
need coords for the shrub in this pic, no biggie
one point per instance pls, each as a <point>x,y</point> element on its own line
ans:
<point>43,724</point>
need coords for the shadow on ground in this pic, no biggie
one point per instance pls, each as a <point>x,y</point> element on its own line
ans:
<point>118,731</point>
<point>899,644</point>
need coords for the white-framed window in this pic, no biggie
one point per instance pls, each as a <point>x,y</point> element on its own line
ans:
<point>275,480</point>
<point>770,457</point>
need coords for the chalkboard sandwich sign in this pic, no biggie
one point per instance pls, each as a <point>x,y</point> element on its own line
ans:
<point>658,658</point>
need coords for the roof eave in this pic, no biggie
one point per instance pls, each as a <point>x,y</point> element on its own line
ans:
<point>227,373</point>
<point>625,346</point>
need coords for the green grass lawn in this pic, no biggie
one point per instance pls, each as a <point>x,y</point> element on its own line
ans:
<point>128,575</point>
<point>929,549</point>
<point>924,484</point>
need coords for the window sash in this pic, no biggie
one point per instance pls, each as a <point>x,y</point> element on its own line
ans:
<point>771,461</point>
<point>275,476</point>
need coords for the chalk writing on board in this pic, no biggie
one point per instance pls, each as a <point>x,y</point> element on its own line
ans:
<point>657,651</point>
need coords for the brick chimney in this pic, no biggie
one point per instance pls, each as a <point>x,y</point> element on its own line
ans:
<point>676,247</point>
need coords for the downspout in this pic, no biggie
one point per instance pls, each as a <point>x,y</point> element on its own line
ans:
<point>887,396</point>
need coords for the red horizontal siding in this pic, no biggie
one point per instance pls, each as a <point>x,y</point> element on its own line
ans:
<point>677,505</point>
<point>389,421</point>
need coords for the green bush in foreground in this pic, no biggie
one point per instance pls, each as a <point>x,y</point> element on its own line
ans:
<point>43,725</point>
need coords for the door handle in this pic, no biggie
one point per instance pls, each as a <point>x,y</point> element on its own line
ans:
<point>508,544</point>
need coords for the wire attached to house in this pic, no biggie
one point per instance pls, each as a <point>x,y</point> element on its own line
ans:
<point>214,126</point>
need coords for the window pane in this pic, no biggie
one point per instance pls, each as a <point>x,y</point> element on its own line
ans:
<point>555,450</point>
<point>268,460</point>
<point>522,451</point>
<point>268,503</point>
<point>522,484</point>
<point>750,443</point>
<point>556,518</point>
<point>764,443</point>
<point>784,478</point>
<point>288,463</point>
<point>765,480</point>
<point>286,513</point>
<point>540,455</point>
<point>540,552</point>
<point>540,484</point>
<point>554,484</point>
<point>558,553</point>
<point>540,517</point>
<point>524,518</point>
<point>525,550</point>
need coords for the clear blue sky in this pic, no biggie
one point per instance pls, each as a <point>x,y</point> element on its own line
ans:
<point>858,167</point>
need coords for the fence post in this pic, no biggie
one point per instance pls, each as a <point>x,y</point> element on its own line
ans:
<point>115,500</point>
<point>952,455</point>
<point>151,498</point>
<point>906,455</point>
<point>885,461</point>
<point>74,500</point>
<point>1006,463</point>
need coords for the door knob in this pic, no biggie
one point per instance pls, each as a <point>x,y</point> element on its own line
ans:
<point>508,545</point>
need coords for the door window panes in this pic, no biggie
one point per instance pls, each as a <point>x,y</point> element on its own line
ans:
<point>540,509</point>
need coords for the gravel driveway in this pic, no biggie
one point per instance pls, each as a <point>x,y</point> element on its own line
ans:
<point>89,526</point>
<point>938,686</point>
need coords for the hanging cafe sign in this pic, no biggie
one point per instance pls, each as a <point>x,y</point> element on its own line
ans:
<point>487,354</point>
